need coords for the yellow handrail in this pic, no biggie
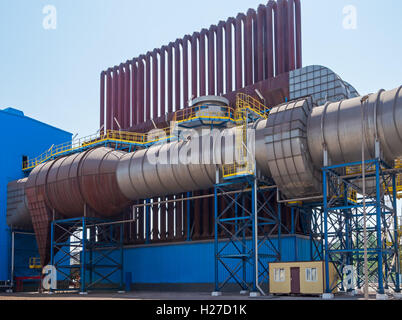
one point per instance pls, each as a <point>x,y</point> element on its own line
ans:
<point>203,112</point>
<point>110,135</point>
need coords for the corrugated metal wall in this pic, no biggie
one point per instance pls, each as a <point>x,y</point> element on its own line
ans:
<point>253,50</point>
<point>194,262</point>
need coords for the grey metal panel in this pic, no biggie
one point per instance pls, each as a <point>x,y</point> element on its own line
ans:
<point>288,158</point>
<point>17,206</point>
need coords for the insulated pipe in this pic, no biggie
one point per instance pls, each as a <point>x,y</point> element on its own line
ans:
<point>248,48</point>
<point>115,97</point>
<point>109,100</point>
<point>148,87</point>
<point>271,43</point>
<point>186,41</point>
<point>279,36</point>
<point>256,31</point>
<point>163,81</point>
<point>229,54</point>
<point>170,78</point>
<point>177,78</point>
<point>140,90</point>
<point>202,64</point>
<point>291,34</point>
<point>194,65</point>
<point>338,127</point>
<point>155,83</point>
<point>219,58</point>
<point>127,100</point>
<point>134,85</point>
<point>102,101</point>
<point>211,60</point>
<point>120,101</point>
<point>298,35</point>
<point>259,45</point>
<point>285,35</point>
<point>238,51</point>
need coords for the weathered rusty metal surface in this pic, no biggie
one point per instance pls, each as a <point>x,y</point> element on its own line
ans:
<point>267,43</point>
<point>83,183</point>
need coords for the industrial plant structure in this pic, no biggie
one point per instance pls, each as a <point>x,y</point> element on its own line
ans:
<point>218,157</point>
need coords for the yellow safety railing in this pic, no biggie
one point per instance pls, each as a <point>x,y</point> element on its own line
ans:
<point>398,165</point>
<point>34,263</point>
<point>109,135</point>
<point>371,168</point>
<point>223,113</point>
<point>245,164</point>
<point>244,101</point>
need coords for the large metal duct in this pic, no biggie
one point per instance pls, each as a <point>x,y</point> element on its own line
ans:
<point>289,149</point>
<point>338,127</point>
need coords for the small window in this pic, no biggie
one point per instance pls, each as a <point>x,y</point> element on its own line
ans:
<point>279,275</point>
<point>311,274</point>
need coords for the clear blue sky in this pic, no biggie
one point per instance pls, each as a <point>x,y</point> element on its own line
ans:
<point>53,75</point>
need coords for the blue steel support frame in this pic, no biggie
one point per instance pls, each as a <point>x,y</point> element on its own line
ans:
<point>343,231</point>
<point>96,248</point>
<point>235,249</point>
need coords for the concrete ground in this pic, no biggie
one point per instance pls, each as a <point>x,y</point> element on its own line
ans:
<point>161,296</point>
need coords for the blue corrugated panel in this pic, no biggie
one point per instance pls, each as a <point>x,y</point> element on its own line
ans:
<point>20,136</point>
<point>194,262</point>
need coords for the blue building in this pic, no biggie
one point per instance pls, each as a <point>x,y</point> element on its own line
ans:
<point>23,138</point>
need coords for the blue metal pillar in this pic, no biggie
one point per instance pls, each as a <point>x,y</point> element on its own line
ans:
<point>280,230</point>
<point>378,227</point>
<point>325,194</point>
<point>254,222</point>
<point>396,235</point>
<point>216,246</point>
<point>188,217</point>
<point>121,256</point>
<point>51,248</point>
<point>147,221</point>
<point>83,253</point>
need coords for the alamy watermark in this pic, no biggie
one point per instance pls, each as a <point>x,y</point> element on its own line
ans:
<point>207,146</point>
<point>49,21</point>
<point>350,17</point>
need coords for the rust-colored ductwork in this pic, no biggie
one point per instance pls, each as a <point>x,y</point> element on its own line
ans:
<point>240,20</point>
<point>248,47</point>
<point>155,96</point>
<point>134,86</point>
<point>127,96</point>
<point>177,81</point>
<point>162,80</point>
<point>102,101</point>
<point>74,186</point>
<point>267,43</point>
<point>186,41</point>
<point>115,96</point>
<point>211,60</point>
<point>109,101</point>
<point>148,86</point>
<point>229,53</point>
<point>140,90</point>
<point>202,64</point>
<point>253,51</point>
<point>194,64</point>
<point>219,58</point>
<point>170,78</point>
<point>120,103</point>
